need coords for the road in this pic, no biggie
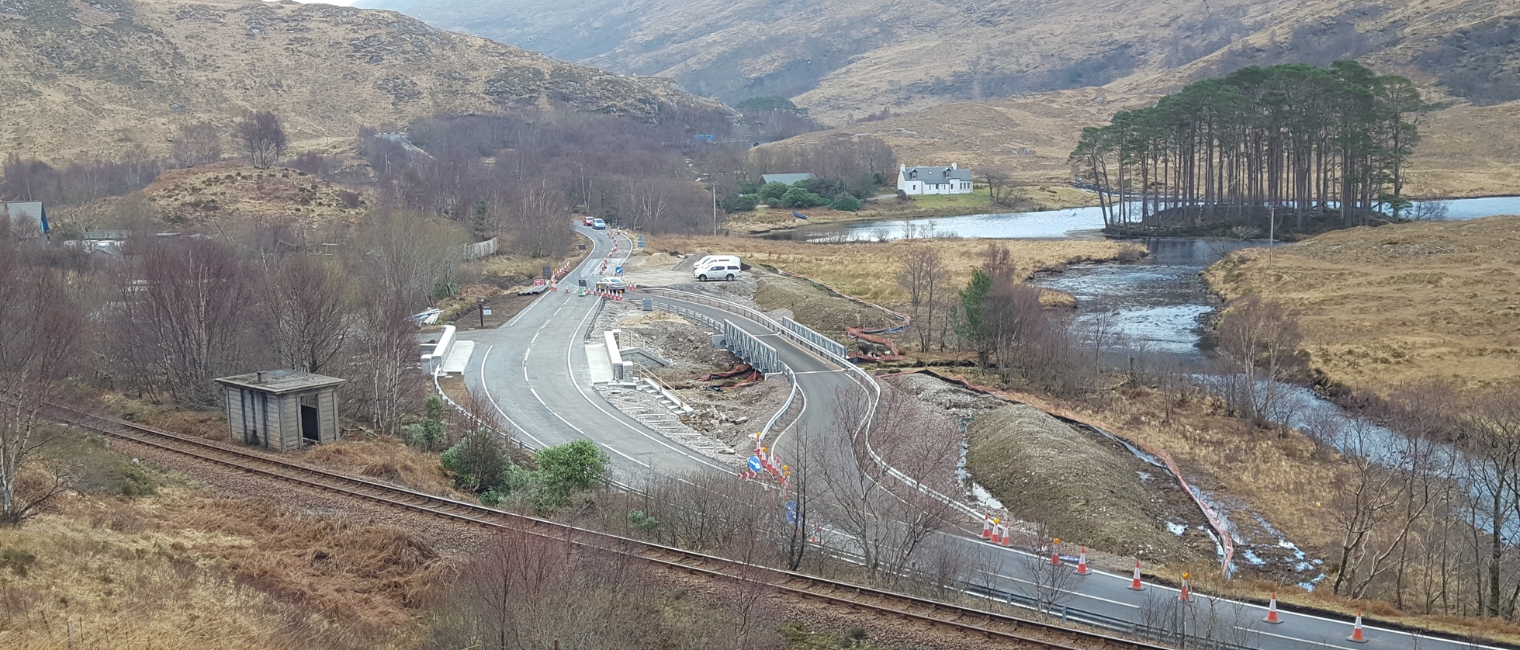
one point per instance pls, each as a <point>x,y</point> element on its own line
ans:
<point>533,373</point>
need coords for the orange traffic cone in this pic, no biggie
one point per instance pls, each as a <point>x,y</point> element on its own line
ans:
<point>986,527</point>
<point>1007,535</point>
<point>1082,563</point>
<point>1055,552</point>
<point>1135,583</point>
<point>997,532</point>
<point>1272,610</point>
<point>814,538</point>
<point>1356,630</point>
<point>1184,595</point>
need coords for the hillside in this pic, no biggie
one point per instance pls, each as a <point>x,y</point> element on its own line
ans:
<point>130,73</point>
<point>1401,303</point>
<point>852,56</point>
<point>975,81</point>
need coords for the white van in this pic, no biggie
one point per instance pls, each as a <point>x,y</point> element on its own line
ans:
<point>716,267</point>
<point>709,260</point>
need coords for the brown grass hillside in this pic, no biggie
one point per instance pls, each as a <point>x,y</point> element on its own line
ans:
<point>1383,306</point>
<point>95,79</point>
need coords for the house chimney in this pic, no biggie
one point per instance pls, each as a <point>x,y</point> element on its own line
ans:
<point>953,166</point>
<point>260,376</point>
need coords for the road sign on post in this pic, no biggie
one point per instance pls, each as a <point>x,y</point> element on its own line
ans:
<point>548,272</point>
<point>754,464</point>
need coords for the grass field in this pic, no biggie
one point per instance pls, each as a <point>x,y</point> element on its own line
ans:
<point>868,270</point>
<point>1396,304</point>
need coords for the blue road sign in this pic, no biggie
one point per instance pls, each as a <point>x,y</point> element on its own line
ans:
<point>791,516</point>
<point>619,270</point>
<point>791,506</point>
<point>754,464</point>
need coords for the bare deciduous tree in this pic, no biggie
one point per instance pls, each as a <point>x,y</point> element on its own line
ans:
<point>1260,339</point>
<point>182,319</point>
<point>39,331</point>
<point>197,144</point>
<point>262,138</point>
<point>923,276</point>
<point>888,518</point>
<point>305,312</point>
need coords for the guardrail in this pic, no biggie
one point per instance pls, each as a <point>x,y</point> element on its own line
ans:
<point>791,399</point>
<point>818,340</point>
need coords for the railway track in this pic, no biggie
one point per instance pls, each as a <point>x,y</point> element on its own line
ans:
<point>980,623</point>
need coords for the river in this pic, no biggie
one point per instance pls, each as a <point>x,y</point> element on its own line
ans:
<point>1159,306</point>
<point>1156,304</point>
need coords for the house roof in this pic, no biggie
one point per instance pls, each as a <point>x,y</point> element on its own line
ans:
<point>29,212</point>
<point>934,175</point>
<point>787,179</point>
<point>279,382</point>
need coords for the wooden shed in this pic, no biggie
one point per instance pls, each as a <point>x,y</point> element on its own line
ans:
<point>282,410</point>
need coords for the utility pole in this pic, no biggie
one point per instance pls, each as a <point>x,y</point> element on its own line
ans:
<point>715,203</point>
<point>480,306</point>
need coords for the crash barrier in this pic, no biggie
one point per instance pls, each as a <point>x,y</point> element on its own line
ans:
<point>818,340</point>
<point>478,250</point>
<point>751,349</point>
<point>1176,635</point>
<point>488,426</point>
<point>867,383</point>
<point>786,408</point>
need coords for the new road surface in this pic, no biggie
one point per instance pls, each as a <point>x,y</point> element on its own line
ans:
<point>533,374</point>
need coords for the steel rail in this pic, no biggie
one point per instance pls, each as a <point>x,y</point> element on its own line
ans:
<point>961,618</point>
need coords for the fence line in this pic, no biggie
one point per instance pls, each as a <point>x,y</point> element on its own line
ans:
<point>478,250</point>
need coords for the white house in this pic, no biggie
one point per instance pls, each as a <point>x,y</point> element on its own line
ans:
<point>915,181</point>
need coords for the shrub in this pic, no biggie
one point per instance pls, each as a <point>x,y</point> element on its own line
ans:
<point>566,469</point>
<point>801,198</point>
<point>770,193</point>
<point>741,203</point>
<point>479,462</point>
<point>846,203</point>
<point>432,431</point>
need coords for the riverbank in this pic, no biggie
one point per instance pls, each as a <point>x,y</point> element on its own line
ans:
<point>1025,199</point>
<point>1404,303</point>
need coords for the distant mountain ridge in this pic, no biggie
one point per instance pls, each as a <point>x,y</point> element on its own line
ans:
<point>842,57</point>
<point>97,79</point>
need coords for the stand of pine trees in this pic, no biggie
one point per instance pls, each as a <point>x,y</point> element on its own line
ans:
<point>1311,148</point>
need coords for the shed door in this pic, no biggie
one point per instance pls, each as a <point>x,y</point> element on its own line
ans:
<point>311,429</point>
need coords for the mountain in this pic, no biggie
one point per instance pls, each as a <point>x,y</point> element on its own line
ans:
<point>838,57</point>
<point>91,79</point>
<point>1010,83</point>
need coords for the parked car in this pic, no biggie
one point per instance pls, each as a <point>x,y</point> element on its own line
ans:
<point>598,224</point>
<point>724,270</point>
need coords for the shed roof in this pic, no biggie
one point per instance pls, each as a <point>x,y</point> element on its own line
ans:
<point>788,179</point>
<point>26,212</point>
<point>279,382</point>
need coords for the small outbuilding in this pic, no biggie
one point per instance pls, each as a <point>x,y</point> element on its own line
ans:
<point>282,410</point>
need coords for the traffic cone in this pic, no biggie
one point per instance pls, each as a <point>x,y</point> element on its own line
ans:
<point>1055,552</point>
<point>1184,595</point>
<point>1356,630</point>
<point>814,538</point>
<point>1007,535</point>
<point>1135,583</point>
<point>986,527</point>
<point>997,532</point>
<point>1272,610</point>
<point>1082,563</point>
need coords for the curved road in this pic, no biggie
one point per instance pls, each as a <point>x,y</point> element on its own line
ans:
<point>532,372</point>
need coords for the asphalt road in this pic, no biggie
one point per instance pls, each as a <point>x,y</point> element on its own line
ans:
<point>533,373</point>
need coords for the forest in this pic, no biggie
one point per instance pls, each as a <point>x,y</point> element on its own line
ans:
<point>1287,147</point>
